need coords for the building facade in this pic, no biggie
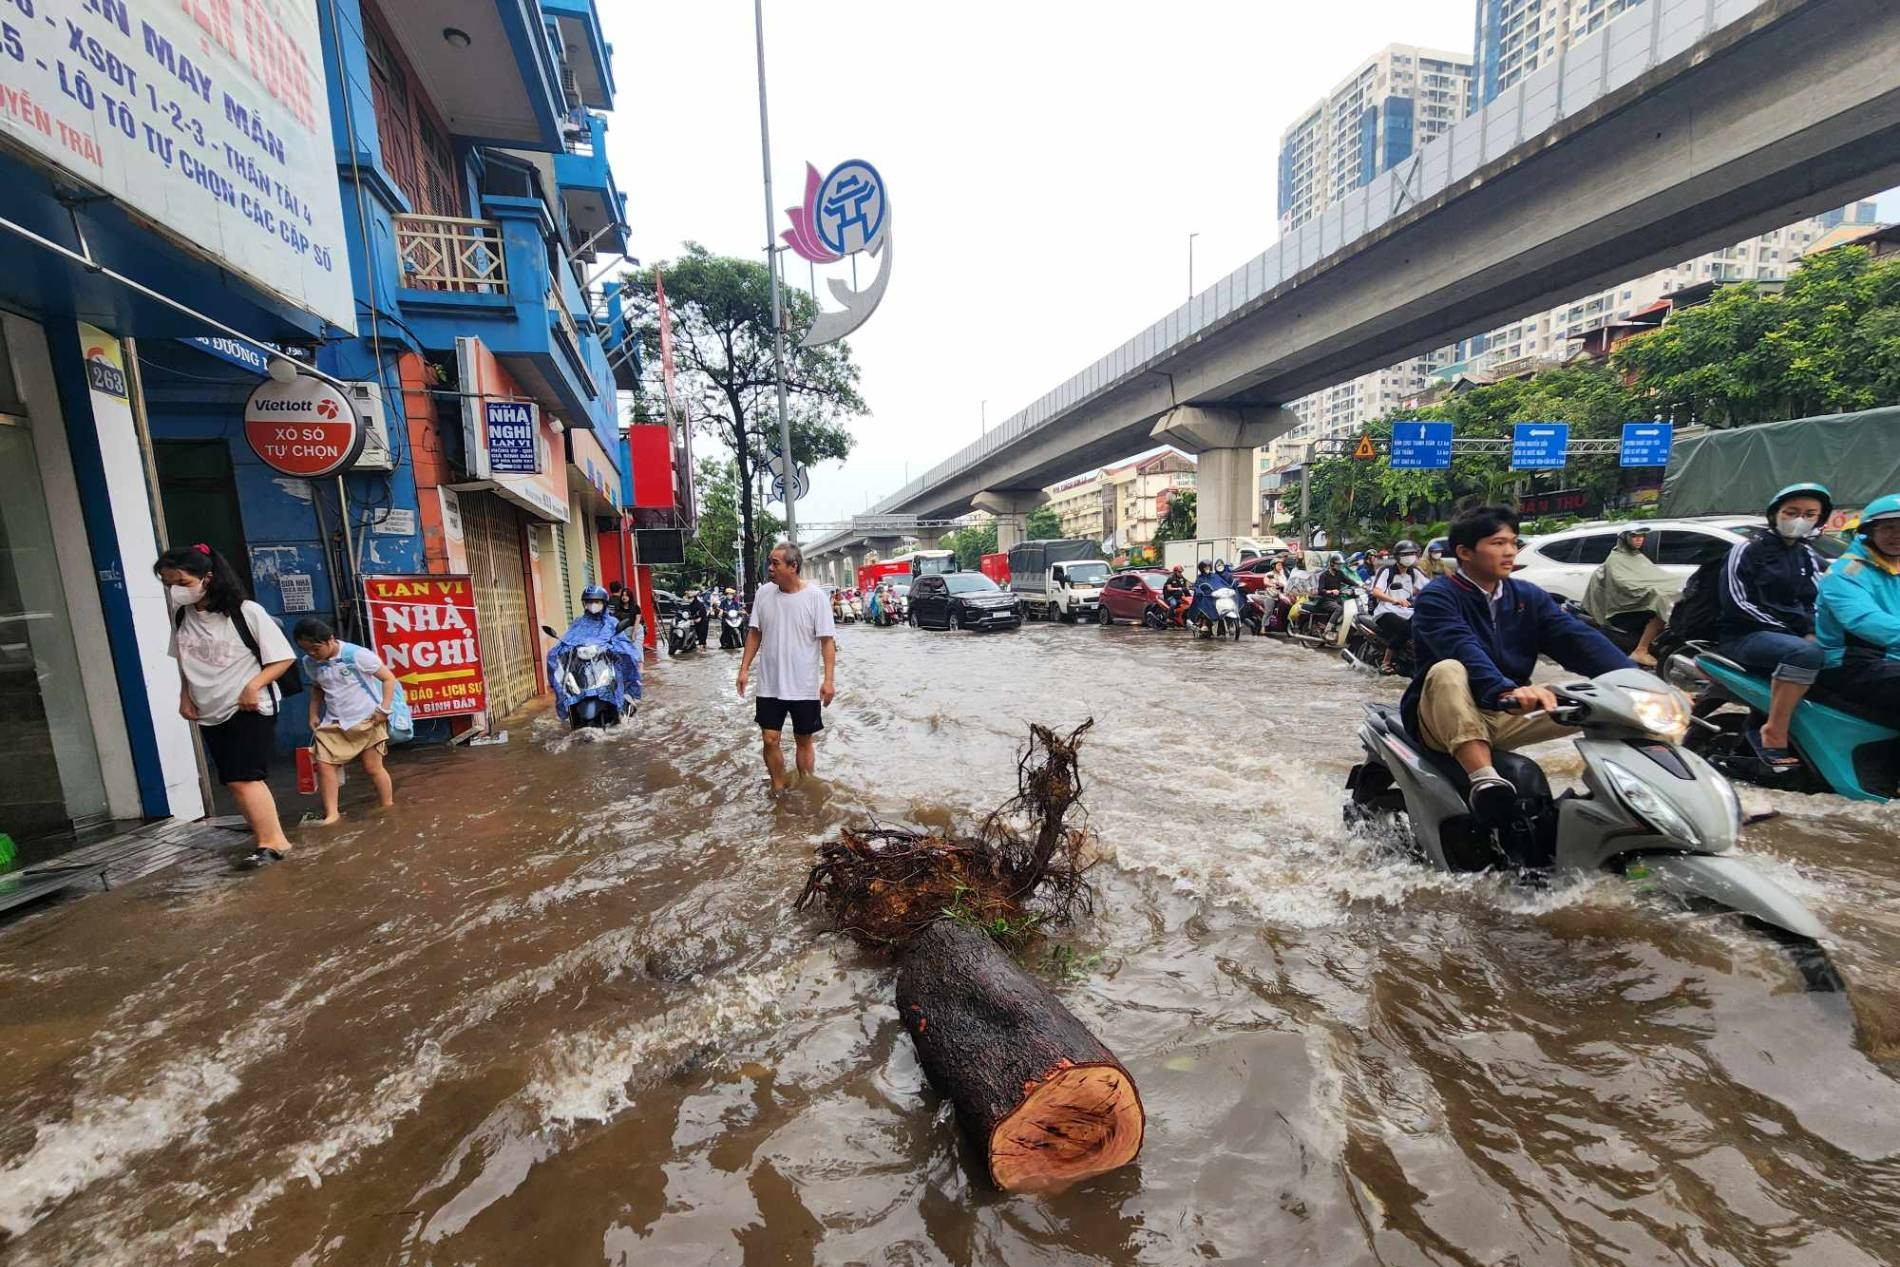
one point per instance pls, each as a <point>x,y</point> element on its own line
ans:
<point>1515,37</point>
<point>406,201</point>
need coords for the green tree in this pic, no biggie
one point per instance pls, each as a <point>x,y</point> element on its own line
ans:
<point>1042,524</point>
<point>1827,343</point>
<point>722,344</point>
<point>970,543</point>
<point>712,553</point>
<point>1181,523</point>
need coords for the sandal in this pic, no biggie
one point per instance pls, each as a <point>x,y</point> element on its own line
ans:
<point>1777,760</point>
<point>260,856</point>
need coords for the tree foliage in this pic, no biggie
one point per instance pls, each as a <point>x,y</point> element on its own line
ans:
<point>1829,342</point>
<point>1182,522</point>
<point>970,543</point>
<point>1042,524</point>
<point>722,345</point>
<point>712,553</point>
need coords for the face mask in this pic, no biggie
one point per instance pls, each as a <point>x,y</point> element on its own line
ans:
<point>1407,560</point>
<point>187,595</point>
<point>594,609</point>
<point>1794,529</point>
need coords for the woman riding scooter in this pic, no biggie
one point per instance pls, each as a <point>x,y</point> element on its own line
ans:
<point>582,695</point>
<point>1857,614</point>
<point>1628,593</point>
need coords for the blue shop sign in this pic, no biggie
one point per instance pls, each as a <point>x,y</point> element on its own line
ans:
<point>235,352</point>
<point>512,427</point>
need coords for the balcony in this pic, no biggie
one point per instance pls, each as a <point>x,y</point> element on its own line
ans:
<point>596,209</point>
<point>585,52</point>
<point>491,278</point>
<point>488,66</point>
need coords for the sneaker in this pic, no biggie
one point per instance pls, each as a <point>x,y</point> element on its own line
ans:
<point>1492,798</point>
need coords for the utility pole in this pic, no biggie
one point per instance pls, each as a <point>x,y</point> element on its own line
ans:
<point>771,268</point>
<point>1191,238</point>
<point>1306,496</point>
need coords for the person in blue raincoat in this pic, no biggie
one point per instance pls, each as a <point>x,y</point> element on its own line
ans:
<point>596,624</point>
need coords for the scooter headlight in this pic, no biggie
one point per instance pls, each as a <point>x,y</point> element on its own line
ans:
<point>1661,713</point>
<point>589,651</point>
<point>1647,804</point>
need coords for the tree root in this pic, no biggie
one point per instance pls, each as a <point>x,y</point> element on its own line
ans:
<point>1025,867</point>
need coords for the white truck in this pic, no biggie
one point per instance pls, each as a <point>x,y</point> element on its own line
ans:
<point>1232,550</point>
<point>1059,579</point>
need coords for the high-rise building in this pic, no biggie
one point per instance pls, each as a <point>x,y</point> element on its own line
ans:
<point>1515,37</point>
<point>1401,98</point>
<point>1397,100</point>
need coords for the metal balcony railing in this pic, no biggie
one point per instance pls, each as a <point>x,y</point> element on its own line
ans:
<point>451,253</point>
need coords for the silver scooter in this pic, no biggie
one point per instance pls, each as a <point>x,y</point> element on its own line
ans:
<point>1651,810</point>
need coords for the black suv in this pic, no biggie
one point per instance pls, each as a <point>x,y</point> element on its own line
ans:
<point>962,600</point>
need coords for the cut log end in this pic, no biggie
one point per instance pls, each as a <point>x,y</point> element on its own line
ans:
<point>1079,1122</point>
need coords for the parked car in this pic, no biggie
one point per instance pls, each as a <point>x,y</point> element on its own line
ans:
<point>1128,595</point>
<point>666,603</point>
<point>962,600</point>
<point>1562,562</point>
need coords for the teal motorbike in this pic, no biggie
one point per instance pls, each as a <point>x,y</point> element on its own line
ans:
<point>1843,750</point>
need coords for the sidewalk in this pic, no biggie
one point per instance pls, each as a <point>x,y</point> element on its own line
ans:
<point>120,859</point>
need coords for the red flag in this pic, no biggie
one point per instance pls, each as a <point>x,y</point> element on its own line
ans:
<point>666,342</point>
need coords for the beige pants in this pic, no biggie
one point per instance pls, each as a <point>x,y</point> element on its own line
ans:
<point>1448,716</point>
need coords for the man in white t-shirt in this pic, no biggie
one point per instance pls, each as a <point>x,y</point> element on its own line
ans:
<point>793,638</point>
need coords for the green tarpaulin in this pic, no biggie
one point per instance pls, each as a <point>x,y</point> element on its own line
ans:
<point>1736,471</point>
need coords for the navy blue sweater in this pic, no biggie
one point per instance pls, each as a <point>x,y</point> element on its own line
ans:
<point>1451,620</point>
<point>1769,586</point>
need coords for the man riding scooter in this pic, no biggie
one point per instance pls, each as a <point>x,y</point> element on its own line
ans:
<point>594,667</point>
<point>1177,594</point>
<point>1394,589</point>
<point>1477,636</point>
<point>1857,614</point>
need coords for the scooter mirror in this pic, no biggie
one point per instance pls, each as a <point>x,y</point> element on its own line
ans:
<point>549,631</point>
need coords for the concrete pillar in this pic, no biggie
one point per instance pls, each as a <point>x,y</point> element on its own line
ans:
<point>930,538</point>
<point>1223,439</point>
<point>1010,506</point>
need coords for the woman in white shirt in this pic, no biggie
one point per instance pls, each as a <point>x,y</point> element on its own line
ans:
<point>227,675</point>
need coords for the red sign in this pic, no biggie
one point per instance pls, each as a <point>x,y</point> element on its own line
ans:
<point>304,427</point>
<point>423,628</point>
<point>1562,501</point>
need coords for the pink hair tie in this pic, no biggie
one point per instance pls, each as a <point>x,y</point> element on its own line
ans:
<point>202,548</point>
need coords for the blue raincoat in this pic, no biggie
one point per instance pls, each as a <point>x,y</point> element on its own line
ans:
<point>605,630</point>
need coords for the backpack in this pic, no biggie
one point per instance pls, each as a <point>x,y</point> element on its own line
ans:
<point>1697,615</point>
<point>402,722</point>
<point>291,683</point>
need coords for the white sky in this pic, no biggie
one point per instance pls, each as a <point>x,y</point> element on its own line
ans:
<point>1046,160</point>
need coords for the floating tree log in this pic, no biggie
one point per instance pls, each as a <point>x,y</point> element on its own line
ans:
<point>1045,1102</point>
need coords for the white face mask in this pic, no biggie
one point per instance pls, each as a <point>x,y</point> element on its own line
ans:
<point>1408,560</point>
<point>187,595</point>
<point>594,609</point>
<point>1795,529</point>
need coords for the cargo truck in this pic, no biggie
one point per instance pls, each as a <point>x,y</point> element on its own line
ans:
<point>1060,579</point>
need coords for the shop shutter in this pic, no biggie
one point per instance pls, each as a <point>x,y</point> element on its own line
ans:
<point>587,537</point>
<point>566,602</point>
<point>492,530</point>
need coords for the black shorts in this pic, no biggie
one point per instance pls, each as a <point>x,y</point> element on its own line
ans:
<point>239,747</point>
<point>808,717</point>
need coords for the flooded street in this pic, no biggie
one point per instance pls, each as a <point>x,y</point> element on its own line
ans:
<point>556,1008</point>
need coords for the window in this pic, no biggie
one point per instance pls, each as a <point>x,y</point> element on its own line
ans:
<point>415,147</point>
<point>1691,549</point>
<point>1595,548</point>
<point>1564,551</point>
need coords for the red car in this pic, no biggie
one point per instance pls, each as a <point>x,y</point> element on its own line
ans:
<point>1252,575</point>
<point>1128,596</point>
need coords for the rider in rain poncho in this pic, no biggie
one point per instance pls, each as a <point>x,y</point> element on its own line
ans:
<point>1629,586</point>
<point>596,624</point>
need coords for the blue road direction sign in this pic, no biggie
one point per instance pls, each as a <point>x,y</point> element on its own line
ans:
<point>1539,446</point>
<point>1421,446</point>
<point>1646,443</point>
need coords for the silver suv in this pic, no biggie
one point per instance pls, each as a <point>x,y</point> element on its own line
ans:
<point>1561,562</point>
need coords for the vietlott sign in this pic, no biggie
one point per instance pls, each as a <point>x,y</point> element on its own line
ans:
<point>304,427</point>
<point>423,628</point>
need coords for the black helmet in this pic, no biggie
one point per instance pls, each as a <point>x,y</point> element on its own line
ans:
<point>593,594</point>
<point>1405,546</point>
<point>1817,491</point>
<point>1203,566</point>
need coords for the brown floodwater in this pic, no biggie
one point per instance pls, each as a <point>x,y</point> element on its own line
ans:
<point>557,1008</point>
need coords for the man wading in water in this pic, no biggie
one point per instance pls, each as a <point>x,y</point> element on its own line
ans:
<point>793,638</point>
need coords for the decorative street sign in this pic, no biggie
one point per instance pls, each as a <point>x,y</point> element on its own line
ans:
<point>847,212</point>
<point>305,427</point>
<point>801,477</point>
<point>1421,446</point>
<point>1646,444</point>
<point>1539,446</point>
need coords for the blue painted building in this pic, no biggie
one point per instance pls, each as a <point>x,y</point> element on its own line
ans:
<point>415,201</point>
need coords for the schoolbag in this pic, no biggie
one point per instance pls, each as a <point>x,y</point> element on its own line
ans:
<point>402,722</point>
<point>291,683</point>
<point>1697,615</point>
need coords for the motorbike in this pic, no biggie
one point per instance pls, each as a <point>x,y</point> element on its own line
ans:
<point>596,676</point>
<point>684,634</point>
<point>1168,613</point>
<point>732,629</point>
<point>1843,749</point>
<point>1366,647</point>
<point>1254,612</point>
<point>1216,613</point>
<point>1320,622</point>
<point>1651,810</point>
<point>1625,631</point>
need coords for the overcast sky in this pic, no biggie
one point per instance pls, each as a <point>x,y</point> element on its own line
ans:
<point>1046,161</point>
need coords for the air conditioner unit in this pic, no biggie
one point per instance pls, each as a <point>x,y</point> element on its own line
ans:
<point>376,455</point>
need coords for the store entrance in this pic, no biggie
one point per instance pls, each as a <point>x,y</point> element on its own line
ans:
<point>198,490</point>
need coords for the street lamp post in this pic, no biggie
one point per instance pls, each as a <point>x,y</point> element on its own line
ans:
<point>771,268</point>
